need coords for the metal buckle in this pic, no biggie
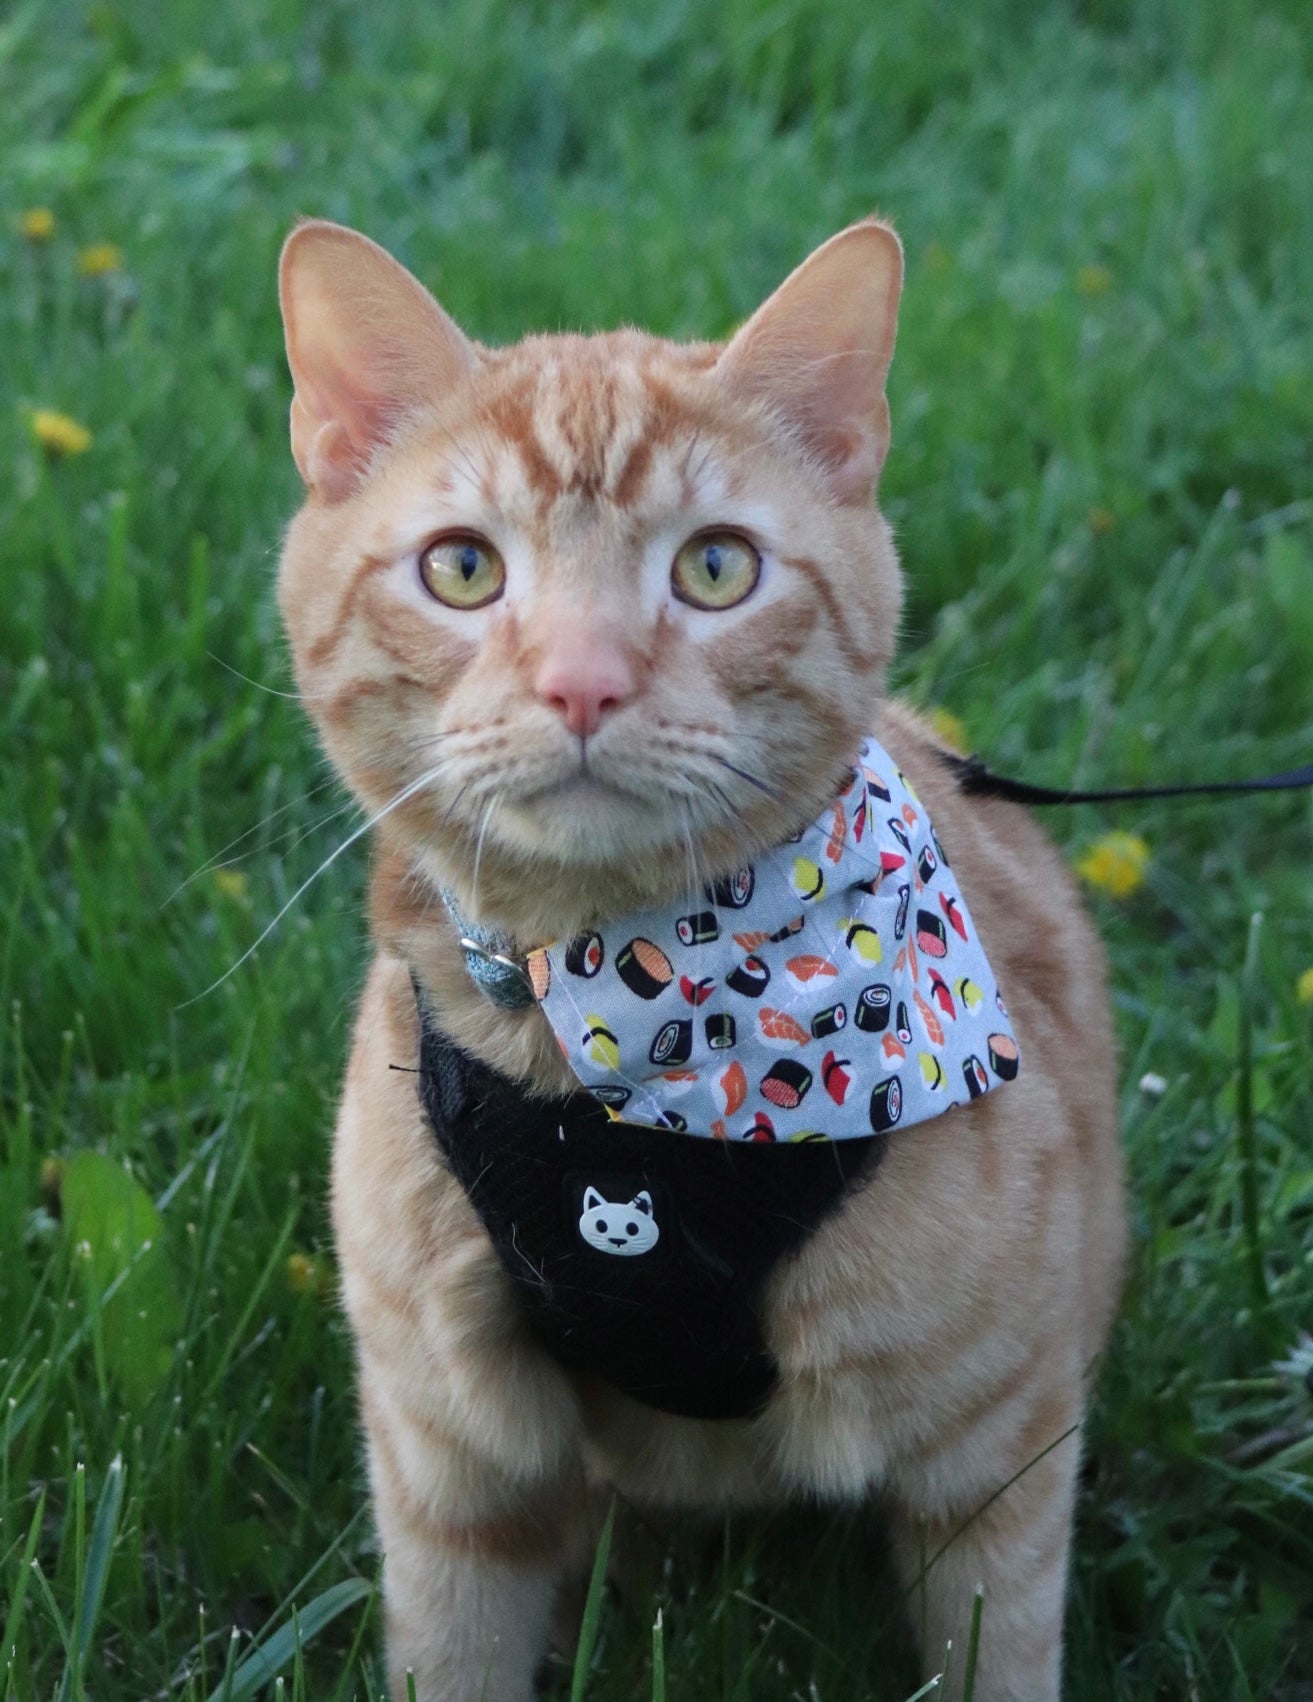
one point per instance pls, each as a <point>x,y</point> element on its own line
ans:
<point>508,965</point>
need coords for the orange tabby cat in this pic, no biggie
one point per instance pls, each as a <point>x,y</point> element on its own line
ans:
<point>479,596</point>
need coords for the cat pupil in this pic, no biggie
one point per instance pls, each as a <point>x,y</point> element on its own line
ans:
<point>631,1229</point>
<point>713,562</point>
<point>601,1227</point>
<point>469,562</point>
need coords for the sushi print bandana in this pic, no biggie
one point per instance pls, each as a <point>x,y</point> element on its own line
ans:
<point>834,989</point>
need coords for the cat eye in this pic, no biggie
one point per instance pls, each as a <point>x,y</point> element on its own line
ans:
<point>462,570</point>
<point>715,570</point>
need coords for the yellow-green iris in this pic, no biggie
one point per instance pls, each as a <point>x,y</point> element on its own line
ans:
<point>715,570</point>
<point>463,571</point>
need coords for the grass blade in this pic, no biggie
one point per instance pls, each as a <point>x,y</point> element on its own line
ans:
<point>658,1660</point>
<point>1249,1209</point>
<point>52,1608</point>
<point>262,1664</point>
<point>14,1618</point>
<point>95,1571</point>
<point>973,1645</point>
<point>583,1655</point>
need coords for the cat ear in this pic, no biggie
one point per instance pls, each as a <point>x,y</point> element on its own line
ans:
<point>817,353</point>
<point>643,1201</point>
<point>366,343</point>
<point>592,1199</point>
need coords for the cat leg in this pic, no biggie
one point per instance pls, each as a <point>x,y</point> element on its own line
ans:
<point>1013,1541</point>
<point>473,1558</point>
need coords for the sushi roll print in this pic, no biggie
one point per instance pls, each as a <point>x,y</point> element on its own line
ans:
<point>723,1016</point>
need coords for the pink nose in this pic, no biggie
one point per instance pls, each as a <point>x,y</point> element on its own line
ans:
<point>584,685</point>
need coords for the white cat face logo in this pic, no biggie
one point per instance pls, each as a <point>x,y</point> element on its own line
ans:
<point>621,1229</point>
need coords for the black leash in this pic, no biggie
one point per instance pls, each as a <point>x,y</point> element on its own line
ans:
<point>977,780</point>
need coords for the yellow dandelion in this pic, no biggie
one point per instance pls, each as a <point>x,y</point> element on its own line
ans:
<point>1100,521</point>
<point>99,258</point>
<point>59,434</point>
<point>305,1275</point>
<point>232,883</point>
<point>51,1180</point>
<point>1304,988</point>
<point>948,727</point>
<point>1093,280</point>
<point>37,224</point>
<point>1115,864</point>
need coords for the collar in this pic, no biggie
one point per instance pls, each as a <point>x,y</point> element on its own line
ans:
<point>833,989</point>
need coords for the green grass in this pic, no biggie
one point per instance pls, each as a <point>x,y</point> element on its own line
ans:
<point>1103,407</point>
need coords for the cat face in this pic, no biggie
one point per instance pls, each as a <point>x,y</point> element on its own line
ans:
<point>623,1229</point>
<point>588,603</point>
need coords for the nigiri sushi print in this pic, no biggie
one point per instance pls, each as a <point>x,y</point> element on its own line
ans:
<point>808,969</point>
<point>833,988</point>
<point>602,1046</point>
<point>540,973</point>
<point>780,1029</point>
<point>808,878</point>
<point>934,1029</point>
<point>953,911</point>
<point>732,1086</point>
<point>861,939</point>
<point>940,993</point>
<point>838,835</point>
<point>835,1077</point>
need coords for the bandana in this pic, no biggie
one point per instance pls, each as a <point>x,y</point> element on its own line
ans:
<point>831,990</point>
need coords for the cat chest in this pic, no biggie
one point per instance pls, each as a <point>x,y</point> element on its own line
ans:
<point>638,1256</point>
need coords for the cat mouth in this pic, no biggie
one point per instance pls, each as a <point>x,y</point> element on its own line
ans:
<point>579,786</point>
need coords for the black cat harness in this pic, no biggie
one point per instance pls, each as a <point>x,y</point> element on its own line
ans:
<point>637,1255</point>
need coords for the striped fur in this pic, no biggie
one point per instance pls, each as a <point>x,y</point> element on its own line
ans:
<point>936,1336</point>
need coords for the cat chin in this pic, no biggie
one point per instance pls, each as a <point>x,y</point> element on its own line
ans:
<point>584,824</point>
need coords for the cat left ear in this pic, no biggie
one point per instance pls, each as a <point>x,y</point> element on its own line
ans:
<point>643,1201</point>
<point>366,343</point>
<point>817,353</point>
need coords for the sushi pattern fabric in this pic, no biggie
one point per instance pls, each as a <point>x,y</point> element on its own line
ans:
<point>833,989</point>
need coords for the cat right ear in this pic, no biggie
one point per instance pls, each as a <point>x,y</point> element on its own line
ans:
<point>367,344</point>
<point>818,351</point>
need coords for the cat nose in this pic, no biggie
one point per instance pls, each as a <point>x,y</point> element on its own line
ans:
<point>583,686</point>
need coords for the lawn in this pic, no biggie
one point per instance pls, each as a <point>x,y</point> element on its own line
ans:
<point>1103,412</point>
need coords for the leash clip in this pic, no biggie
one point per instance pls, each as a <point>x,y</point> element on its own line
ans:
<point>505,979</point>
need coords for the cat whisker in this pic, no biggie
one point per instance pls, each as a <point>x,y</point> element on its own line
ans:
<point>221,857</point>
<point>427,741</point>
<point>452,807</point>
<point>293,696</point>
<point>722,797</point>
<point>462,454</point>
<point>488,808</point>
<point>688,454</point>
<point>752,779</point>
<point>406,793</point>
<point>690,855</point>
